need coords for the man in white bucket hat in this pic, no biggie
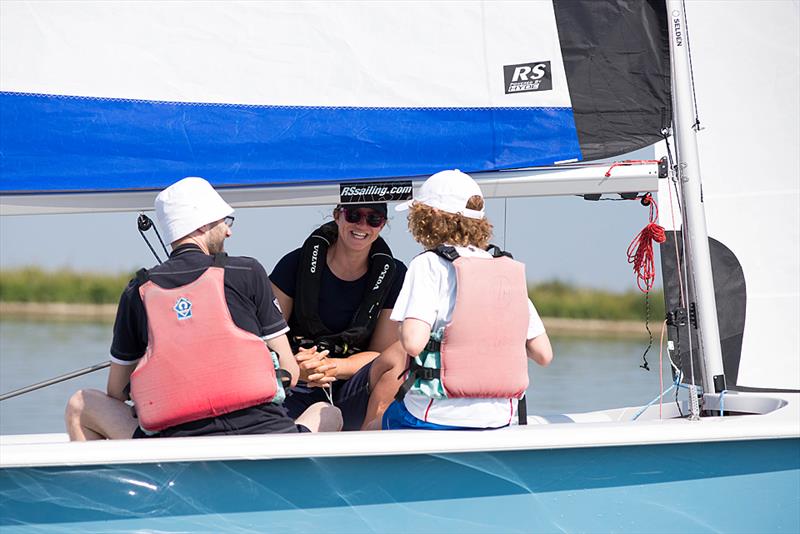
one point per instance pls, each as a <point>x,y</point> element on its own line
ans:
<point>192,339</point>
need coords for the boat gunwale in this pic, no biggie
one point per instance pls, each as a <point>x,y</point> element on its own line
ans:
<point>782,423</point>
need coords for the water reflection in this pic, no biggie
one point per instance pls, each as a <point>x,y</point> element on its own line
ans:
<point>586,374</point>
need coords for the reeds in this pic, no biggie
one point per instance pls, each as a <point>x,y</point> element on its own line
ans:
<point>559,299</point>
<point>552,299</point>
<point>32,284</point>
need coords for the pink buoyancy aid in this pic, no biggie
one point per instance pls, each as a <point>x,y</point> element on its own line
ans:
<point>483,351</point>
<point>198,363</point>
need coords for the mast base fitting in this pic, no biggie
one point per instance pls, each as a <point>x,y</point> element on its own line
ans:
<point>719,383</point>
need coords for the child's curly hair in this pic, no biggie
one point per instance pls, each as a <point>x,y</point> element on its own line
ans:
<point>432,227</point>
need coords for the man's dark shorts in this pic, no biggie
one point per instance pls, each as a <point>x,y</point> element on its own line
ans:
<point>351,396</point>
<point>261,419</point>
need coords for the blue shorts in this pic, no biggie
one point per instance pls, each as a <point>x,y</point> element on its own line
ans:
<point>351,396</point>
<point>397,416</point>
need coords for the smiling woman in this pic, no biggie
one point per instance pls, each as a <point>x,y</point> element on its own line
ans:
<point>337,292</point>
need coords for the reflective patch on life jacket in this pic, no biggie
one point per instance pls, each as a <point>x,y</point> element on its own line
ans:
<point>183,307</point>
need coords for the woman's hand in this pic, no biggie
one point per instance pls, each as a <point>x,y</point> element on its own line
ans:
<point>316,369</point>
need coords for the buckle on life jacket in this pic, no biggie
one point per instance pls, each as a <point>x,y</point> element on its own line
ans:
<point>416,372</point>
<point>334,349</point>
<point>433,345</point>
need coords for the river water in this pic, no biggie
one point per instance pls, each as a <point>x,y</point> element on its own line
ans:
<point>586,374</point>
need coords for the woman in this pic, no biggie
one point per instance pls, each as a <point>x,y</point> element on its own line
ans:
<point>466,320</point>
<point>337,292</point>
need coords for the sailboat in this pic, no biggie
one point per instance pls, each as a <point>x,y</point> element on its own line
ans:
<point>103,104</point>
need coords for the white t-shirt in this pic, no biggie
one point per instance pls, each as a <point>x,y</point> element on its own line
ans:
<point>432,282</point>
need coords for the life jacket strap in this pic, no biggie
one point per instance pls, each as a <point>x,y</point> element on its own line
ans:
<point>335,350</point>
<point>142,276</point>
<point>497,252</point>
<point>285,378</point>
<point>522,410</point>
<point>433,345</point>
<point>220,259</point>
<point>415,372</point>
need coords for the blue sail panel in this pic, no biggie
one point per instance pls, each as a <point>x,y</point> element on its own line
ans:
<point>56,143</point>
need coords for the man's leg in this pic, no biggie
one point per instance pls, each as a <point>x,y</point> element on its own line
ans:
<point>301,399</point>
<point>91,414</point>
<point>321,417</point>
<point>385,378</point>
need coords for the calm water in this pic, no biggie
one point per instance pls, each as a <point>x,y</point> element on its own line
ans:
<point>586,374</point>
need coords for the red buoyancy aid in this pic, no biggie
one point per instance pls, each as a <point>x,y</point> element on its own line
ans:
<point>483,352</point>
<point>198,363</point>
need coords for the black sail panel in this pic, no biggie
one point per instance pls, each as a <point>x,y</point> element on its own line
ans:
<point>616,57</point>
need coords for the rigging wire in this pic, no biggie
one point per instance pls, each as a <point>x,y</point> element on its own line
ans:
<point>696,125</point>
<point>661,370</point>
<point>680,255</point>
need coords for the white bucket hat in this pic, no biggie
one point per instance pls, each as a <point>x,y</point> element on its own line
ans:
<point>187,205</point>
<point>447,191</point>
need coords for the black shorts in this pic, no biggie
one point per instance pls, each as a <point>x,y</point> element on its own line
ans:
<point>351,396</point>
<point>261,419</point>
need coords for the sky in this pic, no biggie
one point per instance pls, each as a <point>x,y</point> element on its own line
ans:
<point>564,238</point>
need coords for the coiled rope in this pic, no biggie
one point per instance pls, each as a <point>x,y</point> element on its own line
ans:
<point>640,251</point>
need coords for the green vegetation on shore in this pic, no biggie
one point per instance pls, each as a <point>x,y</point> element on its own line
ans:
<point>32,284</point>
<point>558,299</point>
<point>552,299</point>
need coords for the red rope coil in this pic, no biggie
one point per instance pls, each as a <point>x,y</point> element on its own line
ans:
<point>640,251</point>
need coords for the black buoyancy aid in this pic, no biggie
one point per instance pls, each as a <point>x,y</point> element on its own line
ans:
<point>307,328</point>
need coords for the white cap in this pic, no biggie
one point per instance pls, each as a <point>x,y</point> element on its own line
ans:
<point>187,205</point>
<point>447,191</point>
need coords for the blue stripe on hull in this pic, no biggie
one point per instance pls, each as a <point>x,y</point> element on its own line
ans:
<point>51,143</point>
<point>751,486</point>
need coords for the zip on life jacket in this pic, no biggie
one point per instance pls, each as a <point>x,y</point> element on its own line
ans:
<point>198,363</point>
<point>481,352</point>
<point>306,325</point>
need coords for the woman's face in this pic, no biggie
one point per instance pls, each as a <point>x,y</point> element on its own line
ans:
<point>359,227</point>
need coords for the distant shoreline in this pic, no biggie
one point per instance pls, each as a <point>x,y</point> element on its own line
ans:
<point>60,311</point>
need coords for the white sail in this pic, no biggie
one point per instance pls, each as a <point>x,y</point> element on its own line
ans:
<point>750,167</point>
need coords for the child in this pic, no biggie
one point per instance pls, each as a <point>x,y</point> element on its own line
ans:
<point>466,321</point>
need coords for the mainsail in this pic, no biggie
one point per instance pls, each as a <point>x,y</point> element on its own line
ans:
<point>129,96</point>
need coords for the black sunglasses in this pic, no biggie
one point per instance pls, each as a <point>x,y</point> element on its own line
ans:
<point>373,218</point>
<point>229,220</point>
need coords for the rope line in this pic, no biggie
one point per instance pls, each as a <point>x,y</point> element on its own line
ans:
<point>640,251</point>
<point>629,162</point>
